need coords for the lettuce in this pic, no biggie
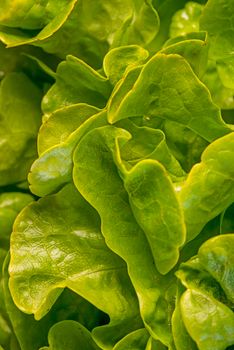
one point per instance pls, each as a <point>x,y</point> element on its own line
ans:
<point>116,175</point>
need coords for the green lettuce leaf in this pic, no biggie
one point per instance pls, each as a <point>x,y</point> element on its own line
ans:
<point>95,30</point>
<point>186,20</point>
<point>123,235</point>
<point>136,340</point>
<point>53,169</point>
<point>182,339</point>
<point>216,19</point>
<point>208,190</point>
<point>76,82</point>
<point>20,118</point>
<point>216,256</point>
<point>118,60</point>
<point>67,335</point>
<point>148,185</point>
<point>61,123</point>
<point>72,254</point>
<point>209,322</point>
<point>148,143</point>
<point>193,47</point>
<point>141,27</point>
<point>10,205</point>
<point>160,92</point>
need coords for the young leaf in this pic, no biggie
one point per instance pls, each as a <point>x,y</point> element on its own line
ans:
<point>66,335</point>
<point>76,82</point>
<point>98,180</point>
<point>157,211</point>
<point>53,169</point>
<point>65,248</point>
<point>208,190</point>
<point>136,340</point>
<point>216,256</point>
<point>209,322</point>
<point>160,91</point>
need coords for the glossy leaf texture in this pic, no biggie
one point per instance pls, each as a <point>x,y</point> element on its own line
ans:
<point>148,143</point>
<point>123,235</point>
<point>119,115</point>
<point>208,190</point>
<point>219,26</point>
<point>53,169</point>
<point>61,123</point>
<point>109,24</point>
<point>76,82</point>
<point>193,47</point>
<point>220,76</point>
<point>157,211</point>
<point>216,257</point>
<point>206,305</point>
<point>32,334</point>
<point>10,205</point>
<point>182,339</point>
<point>201,313</point>
<point>186,20</point>
<point>160,92</point>
<point>72,254</point>
<point>118,60</point>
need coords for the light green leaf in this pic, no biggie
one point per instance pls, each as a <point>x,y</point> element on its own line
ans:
<point>30,15</point>
<point>221,95</point>
<point>76,82</point>
<point>32,333</point>
<point>186,20</point>
<point>209,322</point>
<point>118,60</point>
<point>201,35</point>
<point>136,340</point>
<point>141,27</point>
<point>216,256</point>
<point>20,117</point>
<point>68,335</point>
<point>194,48</point>
<point>208,189</point>
<point>148,143</point>
<point>217,20</point>
<point>156,345</point>
<point>193,276</point>
<point>53,169</point>
<point>94,30</point>
<point>97,178</point>
<point>160,92</point>
<point>14,36</point>
<point>10,205</point>
<point>56,243</point>
<point>61,123</point>
<point>185,145</point>
<point>123,86</point>
<point>157,211</point>
<point>181,338</point>
<point>225,68</point>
